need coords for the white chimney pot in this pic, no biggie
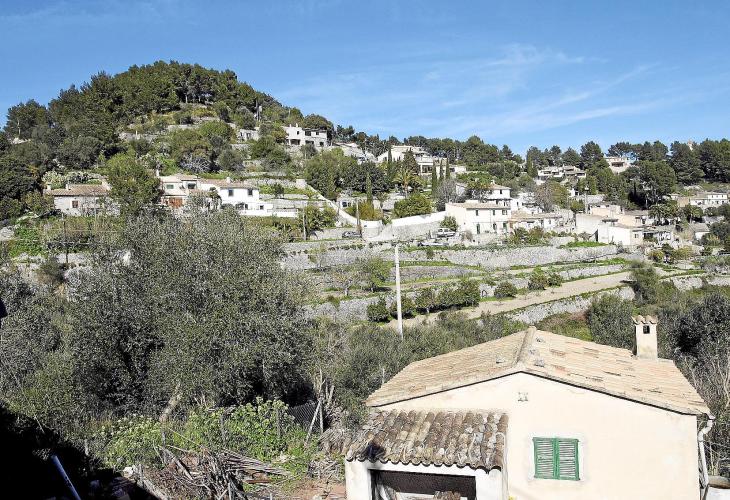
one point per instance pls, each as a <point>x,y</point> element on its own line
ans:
<point>646,346</point>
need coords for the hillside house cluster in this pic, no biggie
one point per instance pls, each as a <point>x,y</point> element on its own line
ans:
<point>560,173</point>
<point>703,199</point>
<point>426,162</point>
<point>533,416</point>
<point>177,190</point>
<point>498,213</point>
<point>609,223</point>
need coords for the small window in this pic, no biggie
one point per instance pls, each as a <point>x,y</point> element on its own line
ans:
<point>504,212</point>
<point>556,458</point>
<point>230,192</point>
<point>647,329</point>
<point>169,186</point>
<point>477,213</point>
<point>74,203</point>
<point>250,192</point>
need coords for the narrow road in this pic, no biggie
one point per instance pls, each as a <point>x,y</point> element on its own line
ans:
<point>567,289</point>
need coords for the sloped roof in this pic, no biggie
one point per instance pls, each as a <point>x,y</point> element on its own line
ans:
<point>602,368</point>
<point>224,183</point>
<point>80,190</point>
<point>431,438</point>
<point>479,205</point>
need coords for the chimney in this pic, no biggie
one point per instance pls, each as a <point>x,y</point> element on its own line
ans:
<point>646,339</point>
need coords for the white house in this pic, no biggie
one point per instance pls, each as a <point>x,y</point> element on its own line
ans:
<point>481,217</point>
<point>299,136</point>
<point>548,221</point>
<point>355,151</point>
<point>704,200</point>
<point>533,416</point>
<point>246,198</point>
<point>425,161</point>
<point>82,199</point>
<point>559,173</point>
<point>618,164</point>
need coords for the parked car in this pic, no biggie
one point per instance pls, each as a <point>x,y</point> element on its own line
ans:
<point>445,232</point>
<point>350,234</point>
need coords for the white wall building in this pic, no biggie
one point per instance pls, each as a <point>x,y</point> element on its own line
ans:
<point>481,217</point>
<point>704,200</point>
<point>82,199</point>
<point>559,174</point>
<point>355,151</point>
<point>534,416</point>
<point>618,164</point>
<point>246,198</point>
<point>297,136</point>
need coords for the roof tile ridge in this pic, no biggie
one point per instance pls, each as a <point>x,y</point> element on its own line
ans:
<point>524,351</point>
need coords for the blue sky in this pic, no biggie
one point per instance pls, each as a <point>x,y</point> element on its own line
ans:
<point>515,72</point>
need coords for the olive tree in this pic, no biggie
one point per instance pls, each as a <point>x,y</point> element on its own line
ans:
<point>192,309</point>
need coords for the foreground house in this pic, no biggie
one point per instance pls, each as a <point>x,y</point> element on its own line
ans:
<point>533,416</point>
<point>81,199</point>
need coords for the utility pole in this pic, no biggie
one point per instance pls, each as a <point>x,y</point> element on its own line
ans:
<point>397,293</point>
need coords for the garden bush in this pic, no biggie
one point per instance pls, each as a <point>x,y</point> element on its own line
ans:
<point>378,311</point>
<point>505,290</point>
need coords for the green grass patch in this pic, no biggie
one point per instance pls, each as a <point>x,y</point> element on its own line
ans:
<point>567,324</point>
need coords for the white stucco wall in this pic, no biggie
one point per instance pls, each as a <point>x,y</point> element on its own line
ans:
<point>627,450</point>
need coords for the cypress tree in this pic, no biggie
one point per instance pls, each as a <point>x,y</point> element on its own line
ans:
<point>434,181</point>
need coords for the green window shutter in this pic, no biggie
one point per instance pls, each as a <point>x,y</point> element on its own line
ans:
<point>556,458</point>
<point>544,458</point>
<point>567,453</point>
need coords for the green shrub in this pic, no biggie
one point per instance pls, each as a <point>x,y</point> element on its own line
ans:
<point>656,255</point>
<point>468,292</point>
<point>407,307</point>
<point>429,253</point>
<point>416,204</point>
<point>450,223</point>
<point>538,280</point>
<point>505,290</point>
<point>378,311</point>
<point>130,441</point>
<point>426,300</point>
<point>554,279</point>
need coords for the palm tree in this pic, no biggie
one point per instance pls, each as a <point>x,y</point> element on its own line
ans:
<point>406,178</point>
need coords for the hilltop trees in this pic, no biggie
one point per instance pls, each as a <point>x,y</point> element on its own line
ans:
<point>24,118</point>
<point>686,163</point>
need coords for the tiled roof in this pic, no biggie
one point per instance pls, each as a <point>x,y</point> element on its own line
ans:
<point>520,215</point>
<point>479,205</point>
<point>224,183</point>
<point>80,190</point>
<point>602,368</point>
<point>431,438</point>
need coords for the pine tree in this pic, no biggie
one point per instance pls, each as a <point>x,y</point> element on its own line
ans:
<point>448,169</point>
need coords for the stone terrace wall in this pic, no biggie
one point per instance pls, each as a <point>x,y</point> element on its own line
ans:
<point>538,312</point>
<point>502,258</point>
